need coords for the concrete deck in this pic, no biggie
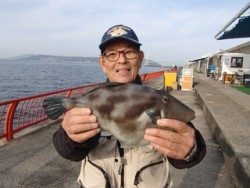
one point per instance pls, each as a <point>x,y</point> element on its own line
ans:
<point>227,112</point>
<point>31,161</point>
<point>212,171</point>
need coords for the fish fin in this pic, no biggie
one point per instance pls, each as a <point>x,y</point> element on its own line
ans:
<point>53,107</point>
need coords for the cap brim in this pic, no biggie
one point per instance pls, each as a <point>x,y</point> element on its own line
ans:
<point>102,45</point>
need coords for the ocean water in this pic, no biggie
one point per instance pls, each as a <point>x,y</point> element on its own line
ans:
<point>19,78</point>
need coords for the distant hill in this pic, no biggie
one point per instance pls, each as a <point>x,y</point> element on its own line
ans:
<point>150,63</point>
<point>48,58</point>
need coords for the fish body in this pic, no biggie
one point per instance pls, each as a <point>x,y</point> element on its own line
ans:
<point>124,110</point>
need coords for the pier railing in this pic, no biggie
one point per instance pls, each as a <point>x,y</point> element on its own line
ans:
<point>18,114</point>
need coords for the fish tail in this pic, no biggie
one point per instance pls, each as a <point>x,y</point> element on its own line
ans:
<point>55,106</point>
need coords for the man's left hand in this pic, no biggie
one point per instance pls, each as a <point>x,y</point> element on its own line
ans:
<point>174,144</point>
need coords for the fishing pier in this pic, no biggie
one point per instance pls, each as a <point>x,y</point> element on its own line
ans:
<point>28,157</point>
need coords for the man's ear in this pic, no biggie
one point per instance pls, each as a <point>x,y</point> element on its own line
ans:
<point>102,64</point>
<point>141,57</point>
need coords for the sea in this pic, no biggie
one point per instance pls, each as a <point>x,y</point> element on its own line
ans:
<point>26,78</point>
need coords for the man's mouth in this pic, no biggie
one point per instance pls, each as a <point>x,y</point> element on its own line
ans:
<point>123,70</point>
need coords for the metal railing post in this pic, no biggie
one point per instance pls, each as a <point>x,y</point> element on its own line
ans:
<point>69,93</point>
<point>9,120</point>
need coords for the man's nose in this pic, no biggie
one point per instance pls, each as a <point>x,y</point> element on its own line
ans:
<point>122,58</point>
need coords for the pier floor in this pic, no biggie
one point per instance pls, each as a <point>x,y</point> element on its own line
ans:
<point>212,171</point>
<point>227,112</point>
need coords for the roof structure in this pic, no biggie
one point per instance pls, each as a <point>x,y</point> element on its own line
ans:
<point>205,56</point>
<point>239,47</point>
<point>240,30</point>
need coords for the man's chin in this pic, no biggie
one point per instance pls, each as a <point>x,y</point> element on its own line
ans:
<point>124,79</point>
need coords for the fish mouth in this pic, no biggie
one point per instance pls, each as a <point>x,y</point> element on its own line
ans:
<point>153,116</point>
<point>162,114</point>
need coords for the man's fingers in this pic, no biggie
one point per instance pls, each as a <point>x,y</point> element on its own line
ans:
<point>80,124</point>
<point>169,149</point>
<point>162,142</point>
<point>82,119</point>
<point>166,151</point>
<point>173,144</point>
<point>178,126</point>
<point>166,134</point>
<point>79,128</point>
<point>79,111</point>
<point>82,137</point>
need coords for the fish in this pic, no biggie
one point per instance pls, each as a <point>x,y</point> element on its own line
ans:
<point>124,110</point>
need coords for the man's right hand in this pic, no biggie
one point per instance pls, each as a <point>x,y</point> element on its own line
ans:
<point>80,124</point>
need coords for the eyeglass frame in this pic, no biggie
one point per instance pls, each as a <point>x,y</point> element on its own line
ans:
<point>121,51</point>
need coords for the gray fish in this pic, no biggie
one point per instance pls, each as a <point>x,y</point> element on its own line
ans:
<point>124,110</point>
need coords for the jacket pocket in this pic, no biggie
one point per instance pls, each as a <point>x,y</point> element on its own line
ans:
<point>153,175</point>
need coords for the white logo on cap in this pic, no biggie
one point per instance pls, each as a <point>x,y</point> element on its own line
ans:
<point>118,31</point>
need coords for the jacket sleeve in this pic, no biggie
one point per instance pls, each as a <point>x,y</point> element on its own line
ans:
<point>196,157</point>
<point>71,150</point>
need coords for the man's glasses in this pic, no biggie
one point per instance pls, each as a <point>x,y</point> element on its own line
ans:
<point>115,54</point>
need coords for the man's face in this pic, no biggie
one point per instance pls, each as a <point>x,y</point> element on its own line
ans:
<point>122,68</point>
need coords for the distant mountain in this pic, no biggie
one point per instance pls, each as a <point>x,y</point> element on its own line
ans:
<point>16,57</point>
<point>47,58</point>
<point>21,56</point>
<point>150,63</point>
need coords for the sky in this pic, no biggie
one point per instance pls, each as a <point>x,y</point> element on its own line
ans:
<point>171,32</point>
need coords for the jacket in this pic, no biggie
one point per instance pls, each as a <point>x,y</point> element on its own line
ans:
<point>110,166</point>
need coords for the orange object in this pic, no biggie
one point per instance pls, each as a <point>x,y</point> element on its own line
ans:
<point>187,79</point>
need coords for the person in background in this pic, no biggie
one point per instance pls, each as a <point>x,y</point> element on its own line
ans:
<point>104,162</point>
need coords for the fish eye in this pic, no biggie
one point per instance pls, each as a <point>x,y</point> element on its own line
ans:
<point>165,98</point>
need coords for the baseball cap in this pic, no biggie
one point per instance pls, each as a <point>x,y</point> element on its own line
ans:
<point>118,32</point>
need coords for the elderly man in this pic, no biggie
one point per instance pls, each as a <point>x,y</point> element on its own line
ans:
<point>104,162</point>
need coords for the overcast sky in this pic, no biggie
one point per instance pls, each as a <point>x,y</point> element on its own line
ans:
<point>171,31</point>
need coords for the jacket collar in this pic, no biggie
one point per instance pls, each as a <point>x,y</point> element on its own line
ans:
<point>136,81</point>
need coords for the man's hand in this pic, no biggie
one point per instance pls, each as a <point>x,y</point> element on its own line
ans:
<point>176,145</point>
<point>80,124</point>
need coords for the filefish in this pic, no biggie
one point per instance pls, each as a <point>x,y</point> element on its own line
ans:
<point>124,110</point>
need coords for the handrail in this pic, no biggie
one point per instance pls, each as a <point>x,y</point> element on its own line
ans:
<point>149,76</point>
<point>17,114</point>
<point>20,113</point>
